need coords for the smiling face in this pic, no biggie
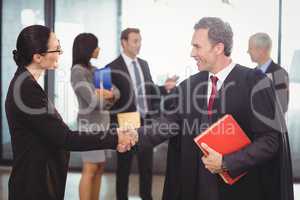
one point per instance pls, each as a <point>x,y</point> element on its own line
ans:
<point>49,59</point>
<point>203,51</point>
<point>132,45</point>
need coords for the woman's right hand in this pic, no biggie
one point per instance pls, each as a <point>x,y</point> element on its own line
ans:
<point>107,94</point>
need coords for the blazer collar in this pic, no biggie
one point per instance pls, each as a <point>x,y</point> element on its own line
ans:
<point>231,77</point>
<point>271,68</point>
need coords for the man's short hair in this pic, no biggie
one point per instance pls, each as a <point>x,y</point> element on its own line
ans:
<point>262,40</point>
<point>218,32</point>
<point>125,32</point>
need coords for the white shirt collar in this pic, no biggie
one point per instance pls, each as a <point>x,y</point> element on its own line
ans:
<point>128,60</point>
<point>222,75</point>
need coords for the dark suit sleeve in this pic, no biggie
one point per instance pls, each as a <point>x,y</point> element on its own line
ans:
<point>165,127</point>
<point>157,92</point>
<point>266,124</point>
<point>153,91</point>
<point>167,99</point>
<point>47,123</point>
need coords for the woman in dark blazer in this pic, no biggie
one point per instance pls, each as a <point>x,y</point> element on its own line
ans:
<point>40,139</point>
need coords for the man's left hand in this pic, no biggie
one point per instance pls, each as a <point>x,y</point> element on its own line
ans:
<point>213,161</point>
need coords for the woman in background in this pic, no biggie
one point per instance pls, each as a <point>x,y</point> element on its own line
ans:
<point>93,110</point>
<point>40,139</point>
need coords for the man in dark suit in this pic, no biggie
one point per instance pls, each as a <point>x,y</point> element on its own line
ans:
<point>259,49</point>
<point>223,87</point>
<point>131,75</point>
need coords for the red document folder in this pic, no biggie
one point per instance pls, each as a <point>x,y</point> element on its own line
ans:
<point>224,136</point>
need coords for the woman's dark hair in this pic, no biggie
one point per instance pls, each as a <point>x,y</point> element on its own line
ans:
<point>32,40</point>
<point>83,48</point>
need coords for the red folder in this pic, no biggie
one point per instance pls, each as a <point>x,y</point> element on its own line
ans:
<point>224,136</point>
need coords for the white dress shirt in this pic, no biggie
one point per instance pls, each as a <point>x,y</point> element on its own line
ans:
<point>130,68</point>
<point>221,75</point>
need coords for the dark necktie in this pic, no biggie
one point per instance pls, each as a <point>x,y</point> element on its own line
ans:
<point>213,94</point>
<point>140,95</point>
<point>259,68</point>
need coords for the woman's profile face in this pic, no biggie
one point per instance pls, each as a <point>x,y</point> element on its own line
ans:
<point>49,59</point>
<point>95,53</point>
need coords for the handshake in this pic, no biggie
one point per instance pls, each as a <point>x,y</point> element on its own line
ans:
<point>127,138</point>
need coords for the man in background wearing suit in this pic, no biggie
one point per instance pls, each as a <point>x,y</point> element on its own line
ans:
<point>260,45</point>
<point>131,75</point>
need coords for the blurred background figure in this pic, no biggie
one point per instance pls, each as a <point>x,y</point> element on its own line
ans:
<point>138,94</point>
<point>259,49</point>
<point>132,76</point>
<point>93,112</point>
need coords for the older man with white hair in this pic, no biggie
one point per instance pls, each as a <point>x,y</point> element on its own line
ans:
<point>260,45</point>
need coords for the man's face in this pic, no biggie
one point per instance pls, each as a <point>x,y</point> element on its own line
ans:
<point>132,46</point>
<point>203,51</point>
<point>254,52</point>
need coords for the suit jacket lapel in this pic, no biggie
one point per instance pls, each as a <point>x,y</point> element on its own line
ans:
<point>123,66</point>
<point>270,68</point>
<point>202,101</point>
<point>204,92</point>
<point>223,96</point>
<point>143,69</point>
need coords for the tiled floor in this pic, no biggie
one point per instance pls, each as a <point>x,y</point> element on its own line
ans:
<point>108,186</point>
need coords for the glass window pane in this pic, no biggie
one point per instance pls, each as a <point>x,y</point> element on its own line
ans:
<point>16,15</point>
<point>74,17</point>
<point>167,33</point>
<point>291,60</point>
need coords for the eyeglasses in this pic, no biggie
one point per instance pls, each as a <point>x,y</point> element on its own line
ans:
<point>58,50</point>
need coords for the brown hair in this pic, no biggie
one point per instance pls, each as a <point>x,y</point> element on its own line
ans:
<point>125,33</point>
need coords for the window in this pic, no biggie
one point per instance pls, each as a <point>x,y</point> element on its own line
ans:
<point>291,60</point>
<point>20,13</point>
<point>72,18</point>
<point>167,27</point>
